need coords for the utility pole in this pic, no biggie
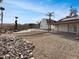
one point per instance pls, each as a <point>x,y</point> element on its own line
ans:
<point>1,13</point>
<point>49,20</point>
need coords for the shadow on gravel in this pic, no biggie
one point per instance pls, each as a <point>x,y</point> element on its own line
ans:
<point>35,34</point>
<point>65,35</point>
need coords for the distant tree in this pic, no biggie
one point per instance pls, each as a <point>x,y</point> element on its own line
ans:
<point>73,12</point>
<point>1,1</point>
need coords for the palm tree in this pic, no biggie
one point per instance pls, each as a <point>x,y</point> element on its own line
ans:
<point>49,20</point>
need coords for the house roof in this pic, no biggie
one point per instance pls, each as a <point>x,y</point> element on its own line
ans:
<point>73,15</point>
<point>70,18</point>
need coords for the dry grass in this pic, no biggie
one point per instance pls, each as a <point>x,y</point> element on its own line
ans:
<point>53,46</point>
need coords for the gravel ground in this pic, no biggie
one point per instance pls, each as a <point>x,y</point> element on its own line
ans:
<point>52,46</point>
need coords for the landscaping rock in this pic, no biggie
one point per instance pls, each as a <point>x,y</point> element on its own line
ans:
<point>15,48</point>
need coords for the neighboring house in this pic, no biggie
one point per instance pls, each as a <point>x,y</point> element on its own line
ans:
<point>44,23</point>
<point>69,23</point>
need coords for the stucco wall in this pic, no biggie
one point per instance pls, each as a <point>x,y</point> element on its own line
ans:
<point>78,28</point>
<point>72,28</point>
<point>53,27</point>
<point>63,27</point>
<point>43,24</point>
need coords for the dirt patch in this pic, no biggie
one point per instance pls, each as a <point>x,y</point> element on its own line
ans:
<point>53,46</point>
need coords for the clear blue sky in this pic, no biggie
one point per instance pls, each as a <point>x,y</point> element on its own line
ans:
<point>30,11</point>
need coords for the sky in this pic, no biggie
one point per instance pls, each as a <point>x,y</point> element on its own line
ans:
<point>32,11</point>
